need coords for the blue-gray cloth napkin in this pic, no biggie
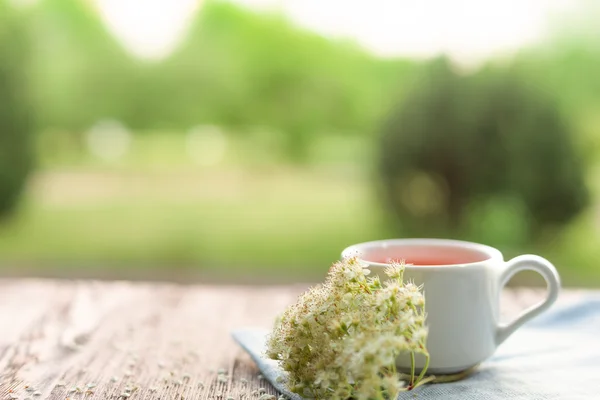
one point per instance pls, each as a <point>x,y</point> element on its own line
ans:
<point>555,356</point>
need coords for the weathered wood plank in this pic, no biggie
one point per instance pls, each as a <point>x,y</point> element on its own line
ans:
<point>162,341</point>
<point>168,337</point>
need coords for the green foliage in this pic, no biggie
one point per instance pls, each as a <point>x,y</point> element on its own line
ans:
<point>15,115</point>
<point>80,72</point>
<point>236,68</point>
<point>458,143</point>
<point>241,69</point>
<point>566,64</point>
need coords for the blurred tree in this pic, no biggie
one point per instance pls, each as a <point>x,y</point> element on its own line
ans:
<point>80,71</point>
<point>235,68</point>
<point>567,64</point>
<point>15,116</point>
<point>460,141</point>
<point>239,69</point>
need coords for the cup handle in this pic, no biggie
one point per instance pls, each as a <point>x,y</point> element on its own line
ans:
<point>544,268</point>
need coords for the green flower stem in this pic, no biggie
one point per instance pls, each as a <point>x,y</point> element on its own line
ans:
<point>422,374</point>
<point>412,368</point>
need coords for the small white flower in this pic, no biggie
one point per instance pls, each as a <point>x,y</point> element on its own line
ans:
<point>395,271</point>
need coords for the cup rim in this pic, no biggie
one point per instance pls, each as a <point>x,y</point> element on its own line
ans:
<point>492,253</point>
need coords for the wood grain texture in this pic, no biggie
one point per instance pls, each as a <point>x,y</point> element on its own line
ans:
<point>99,340</point>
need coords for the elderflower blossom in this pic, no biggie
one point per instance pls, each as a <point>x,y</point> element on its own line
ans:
<point>341,339</point>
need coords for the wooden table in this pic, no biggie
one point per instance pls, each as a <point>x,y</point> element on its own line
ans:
<point>120,340</point>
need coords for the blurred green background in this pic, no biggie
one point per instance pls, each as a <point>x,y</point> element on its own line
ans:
<point>256,149</point>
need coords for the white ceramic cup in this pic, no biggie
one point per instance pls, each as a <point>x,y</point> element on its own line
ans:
<point>462,296</point>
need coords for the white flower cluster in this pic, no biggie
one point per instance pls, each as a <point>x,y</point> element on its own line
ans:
<point>340,339</point>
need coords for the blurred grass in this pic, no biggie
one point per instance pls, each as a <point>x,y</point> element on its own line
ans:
<point>156,208</point>
<point>259,222</point>
<point>246,218</point>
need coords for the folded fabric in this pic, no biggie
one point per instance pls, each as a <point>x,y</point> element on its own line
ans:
<point>556,356</point>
